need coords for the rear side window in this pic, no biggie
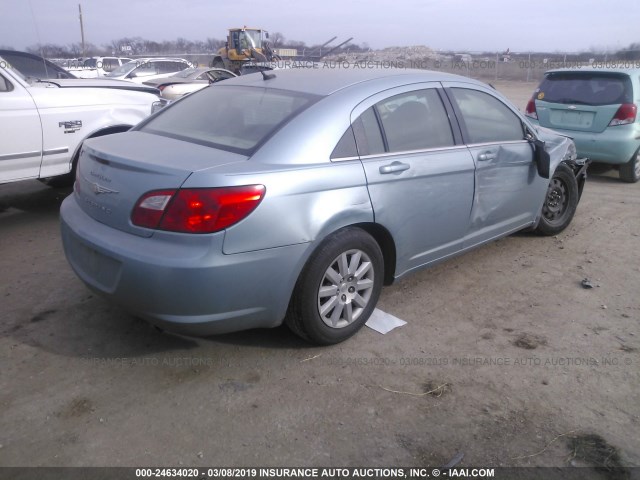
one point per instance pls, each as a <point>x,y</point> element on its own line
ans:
<point>146,68</point>
<point>585,88</point>
<point>170,67</point>
<point>415,121</point>
<point>486,118</point>
<point>346,147</point>
<point>368,135</point>
<point>237,119</point>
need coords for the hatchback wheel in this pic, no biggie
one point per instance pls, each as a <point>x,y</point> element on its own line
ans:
<point>560,203</point>
<point>630,171</point>
<point>338,288</point>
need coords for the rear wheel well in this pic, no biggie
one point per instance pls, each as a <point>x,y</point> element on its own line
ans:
<point>387,245</point>
<point>67,179</point>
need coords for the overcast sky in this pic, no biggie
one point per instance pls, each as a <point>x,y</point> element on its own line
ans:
<point>463,25</point>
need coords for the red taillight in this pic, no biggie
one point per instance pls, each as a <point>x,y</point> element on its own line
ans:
<point>530,111</point>
<point>196,210</point>
<point>626,114</point>
<point>161,87</point>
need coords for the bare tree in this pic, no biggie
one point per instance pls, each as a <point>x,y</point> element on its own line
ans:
<point>213,44</point>
<point>49,50</point>
<point>277,39</point>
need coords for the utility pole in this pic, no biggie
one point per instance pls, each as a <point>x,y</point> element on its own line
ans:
<point>81,29</point>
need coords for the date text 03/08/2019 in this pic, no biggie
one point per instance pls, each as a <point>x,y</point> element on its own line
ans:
<point>371,473</point>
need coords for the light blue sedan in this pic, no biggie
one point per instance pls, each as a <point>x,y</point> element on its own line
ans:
<point>598,108</point>
<point>295,195</point>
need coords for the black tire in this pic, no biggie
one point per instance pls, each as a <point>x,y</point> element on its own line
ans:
<point>630,171</point>
<point>217,63</point>
<point>323,274</point>
<point>560,202</point>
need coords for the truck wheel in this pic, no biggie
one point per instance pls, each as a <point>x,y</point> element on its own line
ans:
<point>630,171</point>
<point>560,203</point>
<point>338,288</point>
<point>217,63</point>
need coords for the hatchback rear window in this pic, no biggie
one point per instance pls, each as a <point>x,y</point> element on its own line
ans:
<point>585,88</point>
<point>237,119</point>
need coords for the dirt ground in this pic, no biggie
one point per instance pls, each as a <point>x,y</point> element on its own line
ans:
<point>506,358</point>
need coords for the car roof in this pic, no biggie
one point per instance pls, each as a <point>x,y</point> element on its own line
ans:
<point>325,81</point>
<point>158,59</point>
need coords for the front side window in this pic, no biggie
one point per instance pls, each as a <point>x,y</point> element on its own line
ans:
<point>237,119</point>
<point>109,64</point>
<point>415,121</point>
<point>123,69</point>
<point>486,118</point>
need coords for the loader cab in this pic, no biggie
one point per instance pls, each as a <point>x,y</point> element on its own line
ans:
<point>246,39</point>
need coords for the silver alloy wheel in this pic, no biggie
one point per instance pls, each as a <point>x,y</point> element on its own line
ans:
<point>636,168</point>
<point>345,288</point>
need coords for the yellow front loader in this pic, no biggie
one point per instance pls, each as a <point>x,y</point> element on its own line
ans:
<point>244,45</point>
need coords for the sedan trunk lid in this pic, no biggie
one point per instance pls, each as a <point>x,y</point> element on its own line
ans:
<point>116,170</point>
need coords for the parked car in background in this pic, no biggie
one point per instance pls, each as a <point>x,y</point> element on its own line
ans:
<point>256,67</point>
<point>144,69</point>
<point>44,120</point>
<point>96,67</point>
<point>33,66</point>
<point>299,194</point>
<point>598,108</point>
<point>188,81</point>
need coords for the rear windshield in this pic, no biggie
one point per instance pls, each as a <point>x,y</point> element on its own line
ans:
<point>586,88</point>
<point>237,119</point>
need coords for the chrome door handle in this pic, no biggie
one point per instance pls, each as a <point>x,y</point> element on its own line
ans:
<point>483,157</point>
<point>394,167</point>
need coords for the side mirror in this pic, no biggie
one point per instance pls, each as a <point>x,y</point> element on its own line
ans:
<point>542,158</point>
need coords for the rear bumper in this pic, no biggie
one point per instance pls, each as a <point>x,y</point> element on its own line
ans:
<point>615,146</point>
<point>183,283</point>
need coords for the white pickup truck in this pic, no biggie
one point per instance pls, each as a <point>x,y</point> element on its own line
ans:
<point>43,121</point>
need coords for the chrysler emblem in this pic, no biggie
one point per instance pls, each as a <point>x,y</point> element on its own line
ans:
<point>98,189</point>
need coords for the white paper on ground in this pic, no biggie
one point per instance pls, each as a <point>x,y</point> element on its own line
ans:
<point>383,322</point>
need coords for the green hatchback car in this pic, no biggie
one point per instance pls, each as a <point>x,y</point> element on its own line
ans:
<point>598,108</point>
